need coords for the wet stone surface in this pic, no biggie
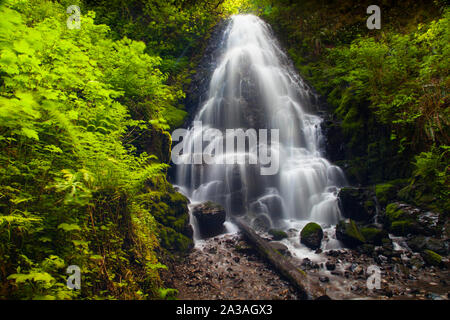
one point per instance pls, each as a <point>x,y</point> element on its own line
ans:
<point>226,267</point>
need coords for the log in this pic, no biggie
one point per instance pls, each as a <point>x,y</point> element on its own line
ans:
<point>296,276</point>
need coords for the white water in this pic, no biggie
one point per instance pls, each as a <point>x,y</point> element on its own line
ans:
<point>254,86</point>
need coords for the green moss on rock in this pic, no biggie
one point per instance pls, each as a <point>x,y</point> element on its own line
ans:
<point>402,227</point>
<point>311,235</point>
<point>170,210</point>
<point>385,192</point>
<point>394,212</point>
<point>373,235</point>
<point>278,234</point>
<point>431,257</point>
<point>349,233</point>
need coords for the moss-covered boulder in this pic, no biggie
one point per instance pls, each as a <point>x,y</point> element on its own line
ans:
<point>210,217</point>
<point>431,258</point>
<point>348,232</point>
<point>278,235</point>
<point>421,243</point>
<point>403,219</point>
<point>170,210</point>
<point>311,235</point>
<point>357,203</point>
<point>385,192</point>
<point>373,235</point>
<point>152,140</point>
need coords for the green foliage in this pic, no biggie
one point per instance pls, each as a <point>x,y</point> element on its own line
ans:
<point>388,88</point>
<point>429,185</point>
<point>70,176</point>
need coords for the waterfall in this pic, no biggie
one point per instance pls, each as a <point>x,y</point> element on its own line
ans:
<point>255,87</point>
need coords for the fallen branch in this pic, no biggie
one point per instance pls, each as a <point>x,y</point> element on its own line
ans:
<point>294,275</point>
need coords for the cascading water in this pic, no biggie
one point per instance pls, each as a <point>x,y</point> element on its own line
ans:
<point>255,87</point>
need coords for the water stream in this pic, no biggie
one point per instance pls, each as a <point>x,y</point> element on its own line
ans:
<point>255,87</point>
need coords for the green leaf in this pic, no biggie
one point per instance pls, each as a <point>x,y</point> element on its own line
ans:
<point>69,227</point>
<point>30,133</point>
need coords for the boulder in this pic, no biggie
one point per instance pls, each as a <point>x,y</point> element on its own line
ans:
<point>403,219</point>
<point>348,232</point>
<point>261,223</point>
<point>374,235</point>
<point>431,258</point>
<point>281,248</point>
<point>421,243</point>
<point>311,235</point>
<point>357,203</point>
<point>210,217</point>
<point>278,234</point>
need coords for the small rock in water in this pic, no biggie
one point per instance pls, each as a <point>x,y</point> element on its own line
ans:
<point>324,279</point>
<point>330,266</point>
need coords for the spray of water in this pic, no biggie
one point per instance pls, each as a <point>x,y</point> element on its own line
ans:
<point>255,87</point>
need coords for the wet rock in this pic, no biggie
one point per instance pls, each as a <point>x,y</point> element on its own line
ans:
<point>311,235</point>
<point>330,266</point>
<point>381,259</point>
<point>278,235</point>
<point>281,248</point>
<point>373,235</point>
<point>348,232</point>
<point>357,203</point>
<point>324,279</point>
<point>333,253</point>
<point>431,258</point>
<point>420,243</point>
<point>210,217</point>
<point>416,261</point>
<point>403,219</point>
<point>292,232</point>
<point>367,249</point>
<point>262,223</point>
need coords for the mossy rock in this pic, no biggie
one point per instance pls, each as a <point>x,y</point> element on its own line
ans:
<point>403,219</point>
<point>349,233</point>
<point>421,243</point>
<point>431,258</point>
<point>170,210</point>
<point>311,235</point>
<point>385,192</point>
<point>357,203</point>
<point>173,240</point>
<point>373,235</point>
<point>403,227</point>
<point>278,234</point>
<point>394,212</point>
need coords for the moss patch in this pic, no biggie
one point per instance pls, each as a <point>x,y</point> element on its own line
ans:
<point>373,235</point>
<point>431,257</point>
<point>278,234</point>
<point>310,229</point>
